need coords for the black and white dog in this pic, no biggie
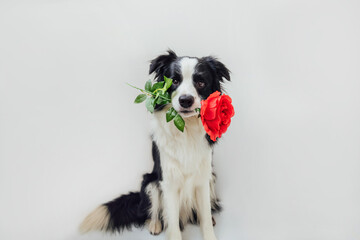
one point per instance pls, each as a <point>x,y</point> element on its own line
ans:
<point>180,188</point>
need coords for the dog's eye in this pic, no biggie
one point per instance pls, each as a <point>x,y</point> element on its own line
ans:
<point>175,81</point>
<point>200,84</point>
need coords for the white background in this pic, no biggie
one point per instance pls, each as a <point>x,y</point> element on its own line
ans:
<point>71,137</point>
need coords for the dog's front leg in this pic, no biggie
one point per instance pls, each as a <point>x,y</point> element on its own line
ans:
<point>171,211</point>
<point>204,208</point>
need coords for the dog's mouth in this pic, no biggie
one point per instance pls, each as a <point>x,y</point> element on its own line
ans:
<point>186,111</point>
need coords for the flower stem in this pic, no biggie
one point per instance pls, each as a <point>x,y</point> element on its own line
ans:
<point>148,93</point>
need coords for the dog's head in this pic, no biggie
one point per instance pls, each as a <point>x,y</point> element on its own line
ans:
<point>194,79</point>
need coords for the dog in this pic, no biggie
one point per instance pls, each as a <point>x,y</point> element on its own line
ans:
<point>181,187</point>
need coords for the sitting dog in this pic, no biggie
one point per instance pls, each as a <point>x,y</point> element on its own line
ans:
<point>180,188</point>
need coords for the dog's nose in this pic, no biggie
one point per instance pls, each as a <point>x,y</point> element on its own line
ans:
<point>186,101</point>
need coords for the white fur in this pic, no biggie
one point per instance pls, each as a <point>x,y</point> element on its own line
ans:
<point>96,220</point>
<point>186,87</point>
<point>155,208</point>
<point>187,173</point>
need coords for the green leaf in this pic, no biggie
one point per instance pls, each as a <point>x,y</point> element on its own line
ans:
<point>140,98</point>
<point>161,101</point>
<point>179,122</point>
<point>167,95</point>
<point>156,100</point>
<point>168,83</point>
<point>157,86</point>
<point>170,114</point>
<point>163,98</point>
<point>150,102</point>
<point>148,85</point>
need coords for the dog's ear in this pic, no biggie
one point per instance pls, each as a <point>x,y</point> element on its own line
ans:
<point>218,67</point>
<point>159,64</point>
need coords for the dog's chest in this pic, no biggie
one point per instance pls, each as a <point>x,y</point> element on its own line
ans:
<point>185,159</point>
<point>187,154</point>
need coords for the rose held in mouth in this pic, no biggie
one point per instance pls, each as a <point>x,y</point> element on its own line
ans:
<point>216,113</point>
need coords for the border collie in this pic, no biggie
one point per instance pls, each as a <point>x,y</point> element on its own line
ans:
<point>180,189</point>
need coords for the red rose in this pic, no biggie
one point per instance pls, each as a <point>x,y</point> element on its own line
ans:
<point>216,113</point>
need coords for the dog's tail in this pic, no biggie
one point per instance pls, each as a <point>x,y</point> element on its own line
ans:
<point>121,213</point>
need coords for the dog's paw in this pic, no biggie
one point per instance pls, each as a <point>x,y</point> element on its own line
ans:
<point>173,236</point>
<point>155,227</point>
<point>208,232</point>
<point>209,236</point>
<point>173,233</point>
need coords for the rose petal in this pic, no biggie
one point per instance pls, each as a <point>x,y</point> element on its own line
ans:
<point>213,125</point>
<point>213,103</point>
<point>210,114</point>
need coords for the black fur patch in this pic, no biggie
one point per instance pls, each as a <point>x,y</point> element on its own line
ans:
<point>156,158</point>
<point>124,212</point>
<point>211,142</point>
